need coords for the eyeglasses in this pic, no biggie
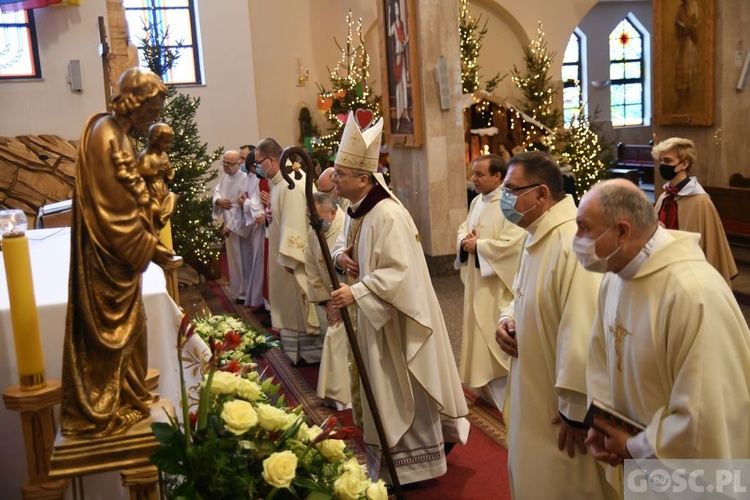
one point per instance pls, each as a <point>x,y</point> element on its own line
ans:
<point>229,164</point>
<point>259,163</point>
<point>339,175</point>
<point>510,190</point>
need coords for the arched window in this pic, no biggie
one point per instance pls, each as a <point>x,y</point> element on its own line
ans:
<point>19,54</point>
<point>627,74</point>
<point>573,76</point>
<point>173,24</point>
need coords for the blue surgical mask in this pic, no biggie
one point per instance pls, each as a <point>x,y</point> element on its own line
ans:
<point>326,225</point>
<point>508,206</point>
<point>260,172</point>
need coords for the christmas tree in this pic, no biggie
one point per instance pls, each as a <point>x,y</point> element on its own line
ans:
<point>349,91</point>
<point>581,147</point>
<point>194,234</point>
<point>536,83</point>
<point>470,39</point>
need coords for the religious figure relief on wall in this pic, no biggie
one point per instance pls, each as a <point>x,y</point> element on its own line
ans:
<point>400,63</point>
<point>113,240</point>
<point>683,52</point>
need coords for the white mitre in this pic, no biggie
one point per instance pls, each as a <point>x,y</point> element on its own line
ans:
<point>357,149</point>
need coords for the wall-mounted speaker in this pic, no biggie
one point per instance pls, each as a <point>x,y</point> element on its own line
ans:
<point>75,75</point>
<point>444,87</point>
<point>743,74</point>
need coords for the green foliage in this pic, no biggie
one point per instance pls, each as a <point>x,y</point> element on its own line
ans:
<point>193,232</point>
<point>535,83</point>
<point>470,41</point>
<point>349,91</point>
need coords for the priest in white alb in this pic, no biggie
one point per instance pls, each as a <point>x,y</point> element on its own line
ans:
<point>546,328</point>
<point>333,377</point>
<point>253,248</point>
<point>488,250</point>
<point>670,347</point>
<point>291,311</point>
<point>227,209</point>
<point>400,327</point>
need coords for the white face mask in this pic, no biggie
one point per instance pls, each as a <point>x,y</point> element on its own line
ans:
<point>585,249</point>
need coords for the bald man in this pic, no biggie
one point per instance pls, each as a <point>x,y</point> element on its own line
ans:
<point>669,347</point>
<point>227,209</point>
<point>326,185</point>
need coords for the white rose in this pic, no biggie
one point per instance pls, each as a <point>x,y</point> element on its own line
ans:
<point>348,486</point>
<point>224,383</point>
<point>272,418</point>
<point>238,416</point>
<point>377,491</point>
<point>280,468</point>
<point>303,434</point>
<point>314,432</point>
<point>352,466</point>
<point>248,390</point>
<point>332,449</point>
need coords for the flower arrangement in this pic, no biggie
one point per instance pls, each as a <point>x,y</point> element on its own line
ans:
<point>252,342</point>
<point>245,442</point>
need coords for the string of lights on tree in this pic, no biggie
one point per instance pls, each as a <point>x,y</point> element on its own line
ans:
<point>349,89</point>
<point>536,83</point>
<point>470,40</point>
<point>584,151</point>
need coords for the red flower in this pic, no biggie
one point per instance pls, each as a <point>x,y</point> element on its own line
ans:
<point>185,331</point>
<point>193,419</point>
<point>233,366</point>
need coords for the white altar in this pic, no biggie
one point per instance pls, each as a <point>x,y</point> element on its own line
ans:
<point>50,261</point>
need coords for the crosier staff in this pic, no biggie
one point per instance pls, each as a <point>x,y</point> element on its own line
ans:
<point>317,224</point>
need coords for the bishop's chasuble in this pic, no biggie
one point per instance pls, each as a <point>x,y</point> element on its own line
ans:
<point>333,376</point>
<point>554,308</point>
<point>404,343</point>
<point>696,214</point>
<point>488,287</point>
<point>671,349</point>
<point>291,311</point>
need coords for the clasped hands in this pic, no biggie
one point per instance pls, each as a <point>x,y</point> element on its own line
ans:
<point>469,242</point>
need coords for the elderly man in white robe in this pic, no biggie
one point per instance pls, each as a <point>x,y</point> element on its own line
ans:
<point>400,327</point>
<point>291,311</point>
<point>546,328</point>
<point>226,209</point>
<point>670,347</point>
<point>488,250</point>
<point>333,377</point>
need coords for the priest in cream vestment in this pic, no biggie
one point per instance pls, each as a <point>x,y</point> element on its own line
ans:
<point>488,250</point>
<point>670,347</point>
<point>547,326</point>
<point>400,327</point>
<point>291,311</point>
<point>333,377</point>
<point>685,205</point>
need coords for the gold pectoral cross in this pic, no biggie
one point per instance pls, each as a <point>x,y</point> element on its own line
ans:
<point>619,332</point>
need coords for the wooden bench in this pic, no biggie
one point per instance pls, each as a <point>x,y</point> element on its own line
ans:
<point>636,157</point>
<point>733,205</point>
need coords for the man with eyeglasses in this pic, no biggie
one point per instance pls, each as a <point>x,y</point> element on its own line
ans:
<point>227,209</point>
<point>291,311</point>
<point>400,327</point>
<point>326,185</point>
<point>546,331</point>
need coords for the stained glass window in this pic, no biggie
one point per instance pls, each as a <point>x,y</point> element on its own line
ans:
<point>626,67</point>
<point>174,22</point>
<point>19,55</point>
<point>572,76</point>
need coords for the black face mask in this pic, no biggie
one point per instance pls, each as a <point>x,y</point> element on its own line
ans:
<point>667,171</point>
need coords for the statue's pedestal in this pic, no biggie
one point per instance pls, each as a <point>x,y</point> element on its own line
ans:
<point>127,451</point>
<point>38,423</point>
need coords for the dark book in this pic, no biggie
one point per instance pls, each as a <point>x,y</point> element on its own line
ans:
<point>613,417</point>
